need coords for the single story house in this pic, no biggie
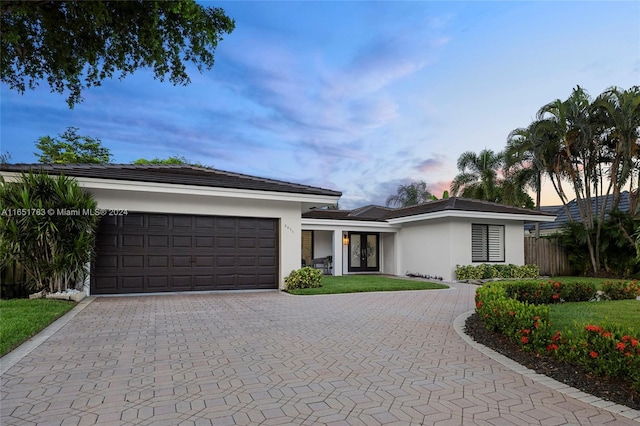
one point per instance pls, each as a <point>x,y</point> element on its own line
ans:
<point>428,239</point>
<point>171,228</point>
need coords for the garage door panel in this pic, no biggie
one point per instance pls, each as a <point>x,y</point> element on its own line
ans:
<point>157,241</point>
<point>158,261</point>
<point>132,221</point>
<point>132,261</point>
<point>204,242</point>
<point>181,242</point>
<point>158,221</point>
<point>157,283</point>
<point>181,261</point>
<point>135,283</point>
<point>144,252</point>
<point>226,242</point>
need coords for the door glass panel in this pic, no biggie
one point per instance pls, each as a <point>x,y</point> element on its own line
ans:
<point>354,250</point>
<point>372,251</point>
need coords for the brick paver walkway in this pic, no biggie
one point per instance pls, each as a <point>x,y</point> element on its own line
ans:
<point>270,358</point>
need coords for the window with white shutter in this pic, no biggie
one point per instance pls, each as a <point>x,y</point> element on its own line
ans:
<point>487,243</point>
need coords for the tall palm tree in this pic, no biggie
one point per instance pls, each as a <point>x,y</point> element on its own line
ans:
<point>576,156</point>
<point>410,195</point>
<point>478,177</point>
<point>618,114</point>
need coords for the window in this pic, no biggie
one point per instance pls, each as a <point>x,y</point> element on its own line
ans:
<point>487,243</point>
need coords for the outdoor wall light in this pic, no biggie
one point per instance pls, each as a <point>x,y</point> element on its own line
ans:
<point>345,239</point>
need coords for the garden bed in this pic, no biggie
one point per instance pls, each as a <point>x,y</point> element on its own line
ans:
<point>618,391</point>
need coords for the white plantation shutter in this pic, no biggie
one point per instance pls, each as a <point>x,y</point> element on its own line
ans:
<point>479,243</point>
<point>496,243</point>
<point>487,243</point>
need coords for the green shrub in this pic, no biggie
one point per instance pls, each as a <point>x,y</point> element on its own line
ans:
<point>488,271</point>
<point>547,292</point>
<point>523,323</point>
<point>620,290</point>
<point>306,277</point>
<point>605,350</point>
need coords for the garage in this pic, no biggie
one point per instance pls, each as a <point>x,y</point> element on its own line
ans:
<point>148,252</point>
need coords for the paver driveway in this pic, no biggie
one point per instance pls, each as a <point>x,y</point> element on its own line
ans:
<point>270,358</point>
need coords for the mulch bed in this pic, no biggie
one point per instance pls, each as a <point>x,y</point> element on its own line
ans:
<point>614,390</point>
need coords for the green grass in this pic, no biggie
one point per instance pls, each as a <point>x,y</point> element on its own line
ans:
<point>22,318</point>
<point>364,283</point>
<point>622,313</point>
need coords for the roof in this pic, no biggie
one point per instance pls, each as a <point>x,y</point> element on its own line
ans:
<point>370,212</point>
<point>382,214</point>
<point>172,174</point>
<point>561,213</point>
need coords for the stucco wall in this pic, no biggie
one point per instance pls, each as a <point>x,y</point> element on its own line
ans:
<point>436,247</point>
<point>287,212</point>
<point>425,248</point>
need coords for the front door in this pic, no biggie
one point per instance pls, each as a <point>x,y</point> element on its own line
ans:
<point>363,252</point>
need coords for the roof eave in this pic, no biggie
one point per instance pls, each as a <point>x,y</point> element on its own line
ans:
<point>472,215</point>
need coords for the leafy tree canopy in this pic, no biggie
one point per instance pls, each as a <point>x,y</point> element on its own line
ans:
<point>174,159</point>
<point>75,45</point>
<point>410,195</point>
<point>72,148</point>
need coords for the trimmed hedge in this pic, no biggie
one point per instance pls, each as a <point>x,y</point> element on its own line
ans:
<point>541,292</point>
<point>621,290</point>
<point>486,271</point>
<point>605,349</point>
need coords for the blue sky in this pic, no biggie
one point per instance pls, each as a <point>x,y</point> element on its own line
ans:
<point>354,96</point>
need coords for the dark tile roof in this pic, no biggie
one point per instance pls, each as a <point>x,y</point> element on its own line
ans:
<point>597,203</point>
<point>370,212</point>
<point>172,174</point>
<point>378,213</point>
<point>461,204</point>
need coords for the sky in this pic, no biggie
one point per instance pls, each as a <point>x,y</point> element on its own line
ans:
<point>355,96</point>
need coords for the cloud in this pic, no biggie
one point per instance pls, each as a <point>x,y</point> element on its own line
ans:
<point>432,164</point>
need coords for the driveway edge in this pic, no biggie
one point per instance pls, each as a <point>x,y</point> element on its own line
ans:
<point>12,358</point>
<point>458,325</point>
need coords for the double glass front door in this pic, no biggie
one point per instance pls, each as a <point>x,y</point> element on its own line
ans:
<point>363,252</point>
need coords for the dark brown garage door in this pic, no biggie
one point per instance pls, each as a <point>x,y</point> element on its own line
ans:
<point>142,253</point>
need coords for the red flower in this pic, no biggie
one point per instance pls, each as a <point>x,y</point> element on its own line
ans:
<point>525,339</point>
<point>555,296</point>
<point>634,342</point>
<point>621,346</point>
<point>606,334</point>
<point>512,313</point>
<point>593,354</point>
<point>625,338</point>
<point>595,328</point>
<point>556,336</point>
<point>479,305</point>
<point>556,285</point>
<point>525,331</point>
<point>552,347</point>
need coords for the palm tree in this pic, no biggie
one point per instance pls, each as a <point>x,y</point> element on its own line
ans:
<point>478,177</point>
<point>410,195</point>
<point>618,114</point>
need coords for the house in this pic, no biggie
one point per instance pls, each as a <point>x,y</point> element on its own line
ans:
<point>168,228</point>
<point>186,228</point>
<point>426,239</point>
<point>597,203</point>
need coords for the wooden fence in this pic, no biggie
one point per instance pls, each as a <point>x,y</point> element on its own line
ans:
<point>547,254</point>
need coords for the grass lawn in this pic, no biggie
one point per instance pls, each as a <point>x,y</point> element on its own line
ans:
<point>623,313</point>
<point>22,318</point>
<point>364,283</point>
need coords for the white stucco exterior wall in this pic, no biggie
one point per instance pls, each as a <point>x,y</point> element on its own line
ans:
<point>436,247</point>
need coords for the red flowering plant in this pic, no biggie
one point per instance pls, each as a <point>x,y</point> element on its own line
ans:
<point>522,322</point>
<point>602,349</point>
<point>620,290</point>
